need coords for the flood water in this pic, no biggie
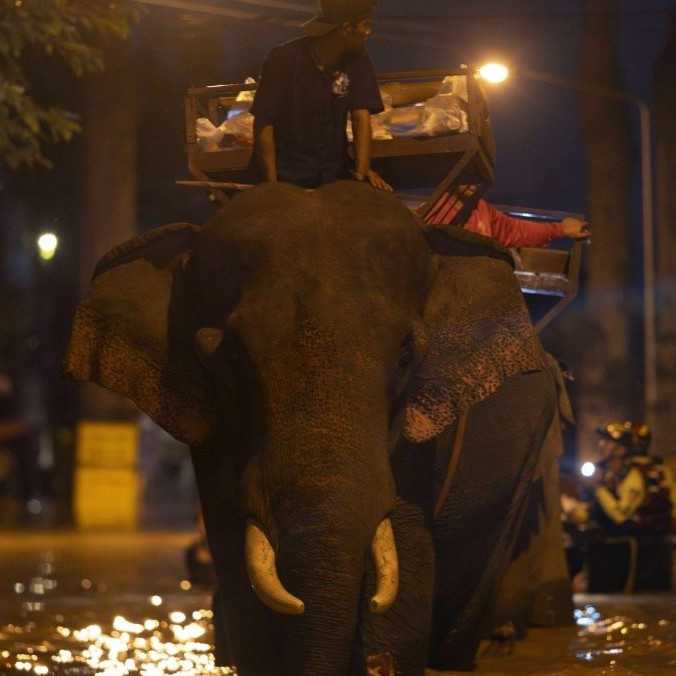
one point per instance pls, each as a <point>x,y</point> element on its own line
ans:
<point>619,635</point>
<point>110,604</point>
<point>117,604</point>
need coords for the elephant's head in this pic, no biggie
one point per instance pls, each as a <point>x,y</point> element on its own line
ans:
<point>302,331</point>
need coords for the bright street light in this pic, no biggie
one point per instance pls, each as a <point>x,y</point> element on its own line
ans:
<point>495,73</point>
<point>588,469</point>
<point>48,243</point>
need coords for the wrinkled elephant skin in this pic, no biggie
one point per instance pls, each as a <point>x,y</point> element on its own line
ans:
<point>315,349</point>
<point>536,589</point>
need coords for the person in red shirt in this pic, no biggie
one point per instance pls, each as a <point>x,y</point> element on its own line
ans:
<point>488,221</point>
<point>515,232</point>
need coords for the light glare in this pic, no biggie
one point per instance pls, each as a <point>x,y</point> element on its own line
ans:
<point>495,73</point>
<point>48,243</point>
<point>588,469</point>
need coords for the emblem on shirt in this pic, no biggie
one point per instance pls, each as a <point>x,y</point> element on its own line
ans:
<point>341,83</point>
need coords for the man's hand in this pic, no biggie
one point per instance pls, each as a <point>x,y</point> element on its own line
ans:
<point>575,228</point>
<point>375,179</point>
<point>361,125</point>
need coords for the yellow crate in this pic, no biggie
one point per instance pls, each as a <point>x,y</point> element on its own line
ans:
<point>106,498</point>
<point>106,444</point>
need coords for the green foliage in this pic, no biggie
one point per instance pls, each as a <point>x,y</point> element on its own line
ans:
<point>69,30</point>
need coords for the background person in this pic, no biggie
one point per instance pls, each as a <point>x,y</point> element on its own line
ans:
<point>632,495</point>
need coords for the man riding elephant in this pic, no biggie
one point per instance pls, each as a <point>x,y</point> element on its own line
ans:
<point>325,359</point>
<point>308,88</point>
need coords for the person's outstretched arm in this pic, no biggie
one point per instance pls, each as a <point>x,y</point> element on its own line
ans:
<point>516,232</point>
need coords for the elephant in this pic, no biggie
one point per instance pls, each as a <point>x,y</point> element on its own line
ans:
<point>365,400</point>
<point>536,589</point>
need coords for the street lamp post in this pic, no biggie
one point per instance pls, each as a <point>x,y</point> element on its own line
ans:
<point>649,309</point>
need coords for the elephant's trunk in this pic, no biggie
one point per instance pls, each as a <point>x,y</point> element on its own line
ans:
<point>262,569</point>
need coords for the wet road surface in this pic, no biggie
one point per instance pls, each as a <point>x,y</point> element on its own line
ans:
<point>115,604</point>
<point>614,635</point>
<point>110,604</point>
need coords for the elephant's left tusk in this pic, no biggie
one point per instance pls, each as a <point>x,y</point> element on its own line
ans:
<point>387,567</point>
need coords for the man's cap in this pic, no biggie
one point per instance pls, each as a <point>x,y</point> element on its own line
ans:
<point>333,13</point>
<point>634,436</point>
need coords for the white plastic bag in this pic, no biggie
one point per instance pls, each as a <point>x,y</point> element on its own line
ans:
<point>239,124</point>
<point>455,84</point>
<point>378,130</point>
<point>208,135</point>
<point>447,110</point>
<point>246,97</point>
<point>442,114</point>
<point>241,127</point>
<point>438,116</point>
<point>404,121</point>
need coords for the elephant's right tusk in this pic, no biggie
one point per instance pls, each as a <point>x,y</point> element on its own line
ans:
<point>387,567</point>
<point>262,570</point>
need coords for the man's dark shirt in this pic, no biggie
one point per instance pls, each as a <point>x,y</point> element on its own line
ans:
<point>308,109</point>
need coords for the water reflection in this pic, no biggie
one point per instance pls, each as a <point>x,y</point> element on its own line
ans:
<point>586,616</point>
<point>171,643</point>
<point>78,629</point>
<point>112,613</point>
<point>624,643</point>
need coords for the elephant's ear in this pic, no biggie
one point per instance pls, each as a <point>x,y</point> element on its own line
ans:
<point>479,334</point>
<point>133,333</point>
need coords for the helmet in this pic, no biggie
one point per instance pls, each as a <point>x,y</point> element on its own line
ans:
<point>642,435</point>
<point>634,436</point>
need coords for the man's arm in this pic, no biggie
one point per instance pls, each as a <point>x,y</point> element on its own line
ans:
<point>516,232</point>
<point>361,126</point>
<point>365,100</point>
<point>264,147</point>
<point>265,109</point>
<point>631,492</point>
